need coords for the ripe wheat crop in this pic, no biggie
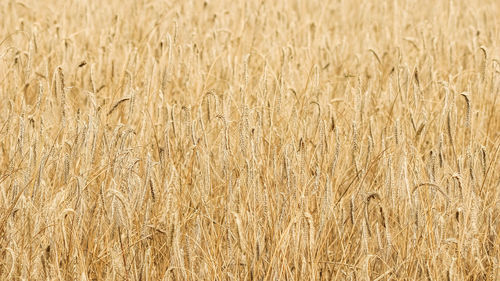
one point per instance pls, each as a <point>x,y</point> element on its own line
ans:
<point>250,140</point>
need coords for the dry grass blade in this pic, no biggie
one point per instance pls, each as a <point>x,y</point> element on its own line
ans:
<point>117,104</point>
<point>433,185</point>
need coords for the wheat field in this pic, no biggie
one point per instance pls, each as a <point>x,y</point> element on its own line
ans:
<point>250,140</point>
